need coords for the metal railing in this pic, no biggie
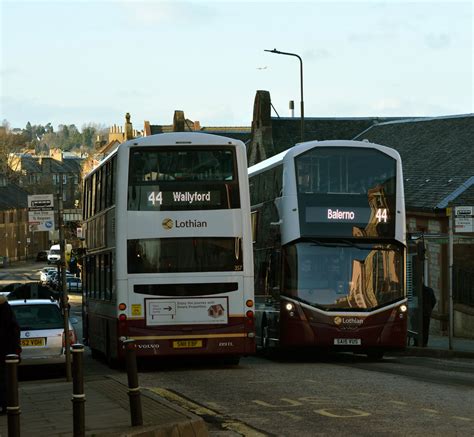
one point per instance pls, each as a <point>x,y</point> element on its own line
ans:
<point>463,286</point>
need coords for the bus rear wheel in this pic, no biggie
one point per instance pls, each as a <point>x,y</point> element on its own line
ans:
<point>232,360</point>
<point>111,361</point>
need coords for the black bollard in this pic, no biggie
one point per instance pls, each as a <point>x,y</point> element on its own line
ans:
<point>13,407</point>
<point>78,396</point>
<point>133,387</point>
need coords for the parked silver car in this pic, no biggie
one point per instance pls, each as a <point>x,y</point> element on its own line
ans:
<point>42,331</point>
<point>74,284</point>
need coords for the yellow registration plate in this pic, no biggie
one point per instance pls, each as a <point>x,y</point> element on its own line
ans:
<point>182,344</point>
<point>25,342</point>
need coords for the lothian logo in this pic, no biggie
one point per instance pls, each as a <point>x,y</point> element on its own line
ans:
<point>167,224</point>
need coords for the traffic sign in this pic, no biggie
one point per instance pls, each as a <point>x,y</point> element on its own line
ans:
<point>41,212</point>
<point>463,219</point>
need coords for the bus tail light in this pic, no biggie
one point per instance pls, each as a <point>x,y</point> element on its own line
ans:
<point>122,317</point>
<point>249,303</point>
<point>122,307</point>
<point>249,320</point>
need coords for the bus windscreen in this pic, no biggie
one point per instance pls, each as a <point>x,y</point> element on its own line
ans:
<point>168,179</point>
<point>338,276</point>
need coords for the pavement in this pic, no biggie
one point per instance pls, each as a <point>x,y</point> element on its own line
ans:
<point>47,410</point>
<point>438,347</point>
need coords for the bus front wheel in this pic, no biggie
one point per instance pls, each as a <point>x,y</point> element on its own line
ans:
<point>375,355</point>
<point>265,342</point>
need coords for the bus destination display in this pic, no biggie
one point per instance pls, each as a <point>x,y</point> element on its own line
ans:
<point>346,215</point>
<point>159,199</point>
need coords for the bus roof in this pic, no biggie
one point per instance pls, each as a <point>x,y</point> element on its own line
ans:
<point>182,138</point>
<point>300,148</point>
<point>172,139</point>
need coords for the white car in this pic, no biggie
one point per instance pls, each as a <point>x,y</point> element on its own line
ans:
<point>54,254</point>
<point>42,331</point>
<point>44,273</point>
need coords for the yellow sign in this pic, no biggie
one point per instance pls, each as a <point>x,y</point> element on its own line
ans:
<point>136,309</point>
<point>26,342</point>
<point>181,344</point>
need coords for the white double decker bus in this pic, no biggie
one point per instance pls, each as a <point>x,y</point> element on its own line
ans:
<point>169,253</point>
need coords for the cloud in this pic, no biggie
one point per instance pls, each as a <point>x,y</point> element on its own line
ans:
<point>438,41</point>
<point>316,54</point>
<point>7,72</point>
<point>412,107</point>
<point>163,12</point>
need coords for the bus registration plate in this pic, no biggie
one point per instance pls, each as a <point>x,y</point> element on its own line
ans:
<point>182,344</point>
<point>348,341</point>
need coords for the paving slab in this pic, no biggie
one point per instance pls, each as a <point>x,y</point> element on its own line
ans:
<point>46,410</point>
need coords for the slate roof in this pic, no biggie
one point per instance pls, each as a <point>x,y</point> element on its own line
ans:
<point>437,155</point>
<point>164,128</point>
<point>32,165</point>
<point>286,132</point>
<point>238,133</point>
<point>12,197</point>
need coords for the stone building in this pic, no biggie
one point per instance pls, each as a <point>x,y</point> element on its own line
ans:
<point>17,242</point>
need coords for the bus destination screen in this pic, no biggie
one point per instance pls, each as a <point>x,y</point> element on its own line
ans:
<point>159,198</point>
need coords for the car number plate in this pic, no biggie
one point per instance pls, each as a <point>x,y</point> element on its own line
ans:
<point>182,344</point>
<point>26,342</point>
<point>348,341</point>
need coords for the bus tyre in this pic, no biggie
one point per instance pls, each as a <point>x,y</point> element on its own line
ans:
<point>265,343</point>
<point>111,361</point>
<point>232,360</point>
<point>375,355</point>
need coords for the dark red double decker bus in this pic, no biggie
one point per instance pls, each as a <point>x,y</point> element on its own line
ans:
<point>329,248</point>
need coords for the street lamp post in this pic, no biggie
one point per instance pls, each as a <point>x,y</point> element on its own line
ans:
<point>278,52</point>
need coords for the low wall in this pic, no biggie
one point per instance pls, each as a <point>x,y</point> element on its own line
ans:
<point>463,321</point>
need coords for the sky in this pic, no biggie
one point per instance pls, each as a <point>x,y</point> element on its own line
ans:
<point>80,62</point>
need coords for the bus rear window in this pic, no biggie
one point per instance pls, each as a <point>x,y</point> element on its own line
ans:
<point>181,165</point>
<point>180,255</point>
<point>176,179</point>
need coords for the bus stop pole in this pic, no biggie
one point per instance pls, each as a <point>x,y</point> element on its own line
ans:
<point>133,386</point>
<point>450,278</point>
<point>64,300</point>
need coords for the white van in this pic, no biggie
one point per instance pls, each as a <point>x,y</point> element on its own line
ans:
<point>54,255</point>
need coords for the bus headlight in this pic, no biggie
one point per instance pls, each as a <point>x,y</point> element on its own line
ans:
<point>403,308</point>
<point>289,306</point>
